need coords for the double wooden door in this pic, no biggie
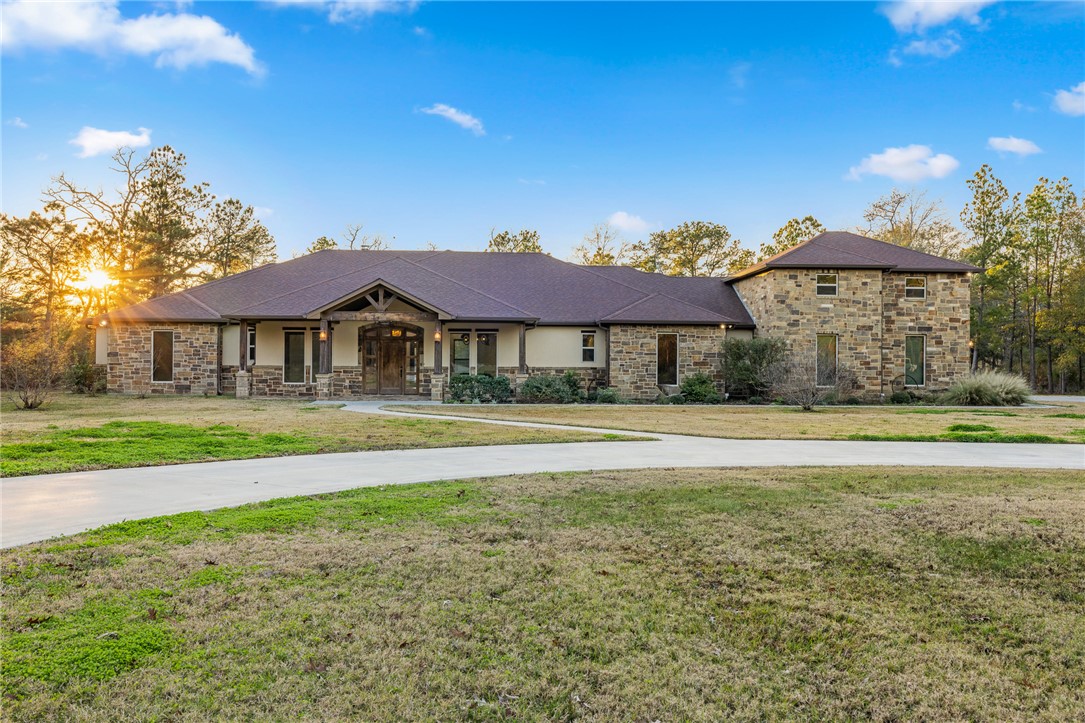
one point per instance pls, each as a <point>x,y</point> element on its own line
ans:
<point>390,357</point>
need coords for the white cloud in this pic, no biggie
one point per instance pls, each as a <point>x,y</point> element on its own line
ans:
<point>941,48</point>
<point>345,11</point>
<point>627,222</point>
<point>18,122</point>
<point>918,15</point>
<point>1070,102</point>
<point>95,141</point>
<point>909,163</point>
<point>1019,107</point>
<point>463,120</point>
<point>740,74</point>
<point>1010,144</point>
<point>177,40</point>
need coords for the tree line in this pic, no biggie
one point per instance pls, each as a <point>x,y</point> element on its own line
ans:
<point>87,251</point>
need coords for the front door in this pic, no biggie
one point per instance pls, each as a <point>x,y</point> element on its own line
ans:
<point>389,357</point>
<point>391,365</point>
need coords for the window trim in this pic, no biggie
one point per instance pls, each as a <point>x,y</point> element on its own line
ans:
<point>584,348</point>
<point>817,357</point>
<point>677,371</point>
<point>301,331</point>
<point>493,336</point>
<point>454,336</point>
<point>173,358</point>
<point>251,345</point>
<point>922,288</point>
<point>923,360</point>
<point>835,285</point>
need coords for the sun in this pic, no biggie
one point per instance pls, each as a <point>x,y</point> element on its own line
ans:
<point>96,279</point>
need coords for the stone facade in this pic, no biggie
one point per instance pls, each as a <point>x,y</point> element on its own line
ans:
<point>195,359</point>
<point>633,356</point>
<point>870,316</point>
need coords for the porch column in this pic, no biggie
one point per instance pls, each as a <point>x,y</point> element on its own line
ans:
<point>438,357</point>
<point>243,380</point>
<point>523,348</point>
<point>325,348</point>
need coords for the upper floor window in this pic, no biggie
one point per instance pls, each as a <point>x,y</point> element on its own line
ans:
<point>915,287</point>
<point>826,285</point>
<point>587,346</point>
<point>162,356</point>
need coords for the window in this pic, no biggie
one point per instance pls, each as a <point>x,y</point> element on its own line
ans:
<point>294,357</point>
<point>667,359</point>
<point>314,365</point>
<point>915,361</point>
<point>826,360</point>
<point>461,352</point>
<point>826,285</point>
<point>161,356</point>
<point>486,356</point>
<point>915,287</point>
<point>252,347</point>
<point>587,346</point>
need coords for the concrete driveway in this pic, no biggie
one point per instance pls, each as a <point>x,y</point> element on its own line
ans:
<point>43,506</point>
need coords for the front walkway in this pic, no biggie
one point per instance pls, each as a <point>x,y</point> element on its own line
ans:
<point>42,506</point>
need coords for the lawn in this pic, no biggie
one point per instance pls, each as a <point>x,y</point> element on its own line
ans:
<point>1065,423</point>
<point>647,595</point>
<point>77,432</point>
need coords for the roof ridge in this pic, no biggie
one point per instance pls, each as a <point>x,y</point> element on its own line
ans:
<point>631,305</point>
<point>309,286</point>
<point>861,255</point>
<point>460,283</point>
<point>184,292</point>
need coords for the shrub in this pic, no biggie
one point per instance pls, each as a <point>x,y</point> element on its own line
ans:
<point>670,399</point>
<point>796,382</point>
<point>988,389</point>
<point>608,395</point>
<point>480,388</point>
<point>700,389</point>
<point>550,389</point>
<point>748,364</point>
<point>30,369</point>
<point>900,398</point>
<point>83,376</point>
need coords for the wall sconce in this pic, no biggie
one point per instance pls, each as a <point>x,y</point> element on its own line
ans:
<point>323,334</point>
<point>465,337</point>
<point>397,332</point>
<point>103,322</point>
<point>437,335</point>
<point>483,339</point>
<point>971,344</point>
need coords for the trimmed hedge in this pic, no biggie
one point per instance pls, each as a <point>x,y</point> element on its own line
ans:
<point>550,389</point>
<point>482,388</point>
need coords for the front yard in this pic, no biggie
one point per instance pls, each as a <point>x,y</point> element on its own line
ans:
<point>1065,423</point>
<point>76,432</point>
<point>661,595</point>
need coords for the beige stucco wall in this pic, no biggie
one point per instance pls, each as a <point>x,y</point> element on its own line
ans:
<point>870,317</point>
<point>560,347</point>
<point>101,345</point>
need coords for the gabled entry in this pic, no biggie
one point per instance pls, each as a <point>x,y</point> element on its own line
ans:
<point>391,356</point>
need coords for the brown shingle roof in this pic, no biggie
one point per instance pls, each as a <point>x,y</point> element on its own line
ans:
<point>462,285</point>
<point>844,250</point>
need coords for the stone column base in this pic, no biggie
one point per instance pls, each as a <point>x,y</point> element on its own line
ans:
<point>323,386</point>
<point>437,388</point>
<point>244,385</point>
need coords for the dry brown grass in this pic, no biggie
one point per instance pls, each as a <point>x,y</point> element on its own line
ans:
<point>34,441</point>
<point>669,595</point>
<point>773,422</point>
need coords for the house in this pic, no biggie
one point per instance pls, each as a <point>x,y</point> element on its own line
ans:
<point>353,323</point>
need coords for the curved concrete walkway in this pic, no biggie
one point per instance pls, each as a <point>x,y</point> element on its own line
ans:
<point>43,506</point>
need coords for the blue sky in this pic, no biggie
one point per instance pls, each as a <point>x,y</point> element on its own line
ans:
<point>434,122</point>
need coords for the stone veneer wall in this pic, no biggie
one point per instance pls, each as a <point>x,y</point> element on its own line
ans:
<point>633,356</point>
<point>195,359</point>
<point>943,317</point>
<point>870,317</point>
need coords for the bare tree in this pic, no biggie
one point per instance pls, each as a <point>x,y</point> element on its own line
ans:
<point>355,240</point>
<point>602,246</point>
<point>798,381</point>
<point>909,219</point>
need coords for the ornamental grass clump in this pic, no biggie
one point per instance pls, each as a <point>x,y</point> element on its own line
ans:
<point>988,389</point>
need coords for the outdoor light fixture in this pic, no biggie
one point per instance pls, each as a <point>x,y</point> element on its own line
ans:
<point>103,322</point>
<point>483,339</point>
<point>465,337</point>
<point>971,344</point>
<point>437,335</point>
<point>323,334</point>
<point>397,332</point>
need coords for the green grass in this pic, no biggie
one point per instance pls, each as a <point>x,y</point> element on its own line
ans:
<point>135,444</point>
<point>862,593</point>
<point>1066,415</point>
<point>965,433</point>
